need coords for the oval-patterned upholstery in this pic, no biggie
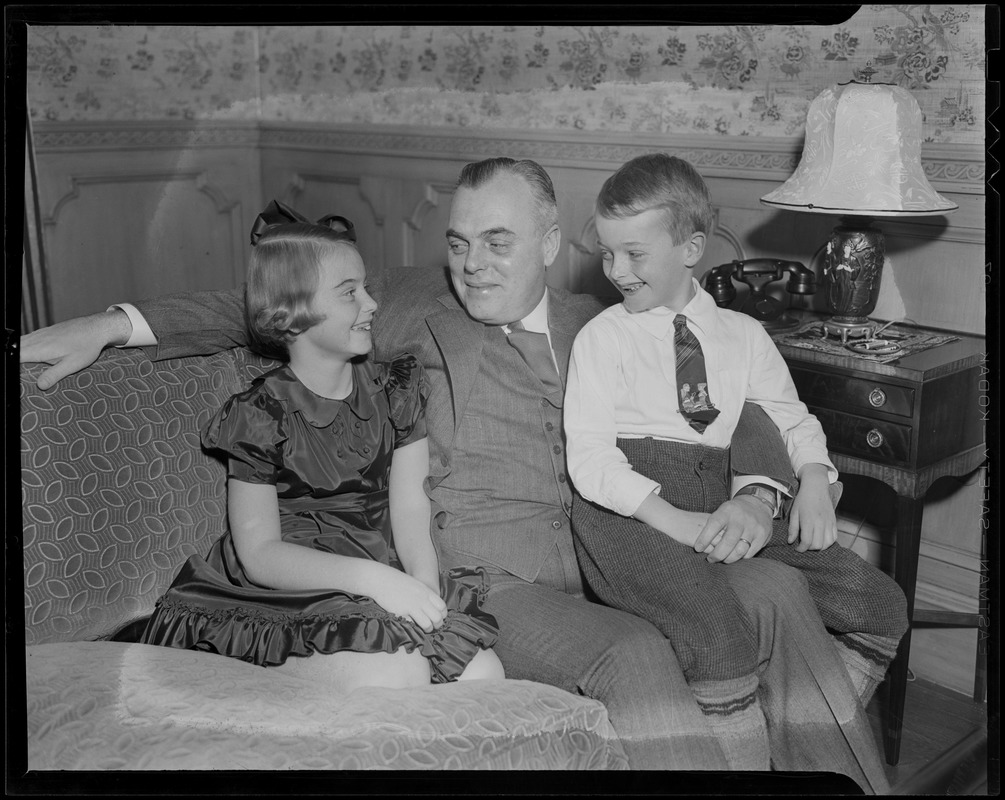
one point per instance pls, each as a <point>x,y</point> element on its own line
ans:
<point>116,490</point>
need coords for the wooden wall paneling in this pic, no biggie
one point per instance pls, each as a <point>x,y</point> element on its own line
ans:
<point>577,266</point>
<point>146,234</point>
<point>317,193</point>
<point>580,269</point>
<point>399,206</point>
<point>133,211</point>
<point>424,222</point>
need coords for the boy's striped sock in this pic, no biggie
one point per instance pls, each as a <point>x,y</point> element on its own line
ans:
<point>867,658</point>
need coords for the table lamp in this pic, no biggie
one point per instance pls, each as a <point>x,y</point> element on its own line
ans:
<point>861,159</point>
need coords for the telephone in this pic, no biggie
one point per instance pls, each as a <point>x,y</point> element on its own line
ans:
<point>757,273</point>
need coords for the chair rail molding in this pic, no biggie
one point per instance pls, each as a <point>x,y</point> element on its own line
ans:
<point>143,135</point>
<point>950,167</point>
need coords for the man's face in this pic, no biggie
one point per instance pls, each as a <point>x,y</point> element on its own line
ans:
<point>496,250</point>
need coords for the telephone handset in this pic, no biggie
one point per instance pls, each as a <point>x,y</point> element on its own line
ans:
<point>757,273</point>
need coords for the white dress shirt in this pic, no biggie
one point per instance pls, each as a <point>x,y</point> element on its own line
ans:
<point>537,322</point>
<point>622,383</point>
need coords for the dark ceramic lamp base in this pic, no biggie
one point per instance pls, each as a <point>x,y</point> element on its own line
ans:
<point>853,267</point>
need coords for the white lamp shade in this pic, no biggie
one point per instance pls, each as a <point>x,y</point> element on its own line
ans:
<point>862,155</point>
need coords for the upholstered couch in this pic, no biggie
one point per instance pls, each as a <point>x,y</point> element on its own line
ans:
<point>117,493</point>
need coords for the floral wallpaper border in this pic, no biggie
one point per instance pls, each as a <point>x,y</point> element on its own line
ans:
<point>755,80</point>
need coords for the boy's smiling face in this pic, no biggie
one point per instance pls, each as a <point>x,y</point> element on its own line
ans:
<point>642,261</point>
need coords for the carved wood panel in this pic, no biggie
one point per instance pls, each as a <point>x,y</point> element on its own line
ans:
<point>126,236</point>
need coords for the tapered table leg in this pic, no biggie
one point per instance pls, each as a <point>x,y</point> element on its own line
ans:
<point>910,513</point>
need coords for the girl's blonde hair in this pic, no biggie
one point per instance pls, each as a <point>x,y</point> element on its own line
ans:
<point>283,277</point>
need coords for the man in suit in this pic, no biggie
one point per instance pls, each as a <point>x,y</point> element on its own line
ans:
<point>501,497</point>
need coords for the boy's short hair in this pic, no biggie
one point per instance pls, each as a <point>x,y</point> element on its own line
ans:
<point>283,277</point>
<point>477,173</point>
<point>662,182</point>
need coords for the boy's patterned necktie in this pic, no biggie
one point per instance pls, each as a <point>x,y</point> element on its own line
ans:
<point>692,381</point>
<point>536,352</point>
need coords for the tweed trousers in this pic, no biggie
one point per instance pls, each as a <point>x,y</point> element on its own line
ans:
<point>636,568</point>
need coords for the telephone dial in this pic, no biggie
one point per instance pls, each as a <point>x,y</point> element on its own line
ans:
<point>757,273</point>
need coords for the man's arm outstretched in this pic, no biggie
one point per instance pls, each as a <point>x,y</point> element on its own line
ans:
<point>183,325</point>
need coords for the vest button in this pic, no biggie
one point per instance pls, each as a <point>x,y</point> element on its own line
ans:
<point>444,461</point>
<point>556,524</point>
<point>556,449</point>
<point>548,426</point>
<point>562,478</point>
<point>544,403</point>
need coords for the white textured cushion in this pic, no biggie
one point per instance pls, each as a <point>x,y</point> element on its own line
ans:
<point>110,705</point>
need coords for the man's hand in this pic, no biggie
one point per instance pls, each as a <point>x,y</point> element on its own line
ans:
<point>75,344</point>
<point>737,529</point>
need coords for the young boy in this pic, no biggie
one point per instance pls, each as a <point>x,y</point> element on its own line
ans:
<point>656,387</point>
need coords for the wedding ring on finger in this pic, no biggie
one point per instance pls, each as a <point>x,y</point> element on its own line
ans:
<point>745,541</point>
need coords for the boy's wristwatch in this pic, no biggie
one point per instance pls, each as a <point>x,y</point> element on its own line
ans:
<point>763,493</point>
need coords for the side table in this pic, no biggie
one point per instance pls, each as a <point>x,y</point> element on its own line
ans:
<point>906,423</point>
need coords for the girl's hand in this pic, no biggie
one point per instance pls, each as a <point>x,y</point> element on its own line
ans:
<point>407,597</point>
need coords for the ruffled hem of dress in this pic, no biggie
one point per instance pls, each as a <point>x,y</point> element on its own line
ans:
<point>268,638</point>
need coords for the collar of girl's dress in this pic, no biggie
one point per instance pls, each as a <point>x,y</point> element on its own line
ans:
<point>322,411</point>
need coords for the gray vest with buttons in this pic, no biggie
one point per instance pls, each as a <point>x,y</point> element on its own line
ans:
<point>508,445</point>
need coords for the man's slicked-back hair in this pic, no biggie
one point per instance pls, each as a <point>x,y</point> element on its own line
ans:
<point>283,277</point>
<point>662,182</point>
<point>478,173</point>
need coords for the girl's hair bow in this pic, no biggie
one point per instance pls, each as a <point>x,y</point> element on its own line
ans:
<point>277,214</point>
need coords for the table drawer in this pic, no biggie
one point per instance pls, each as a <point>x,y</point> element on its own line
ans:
<point>875,440</point>
<point>841,391</point>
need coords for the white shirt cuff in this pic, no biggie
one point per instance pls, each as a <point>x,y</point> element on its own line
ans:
<point>634,494</point>
<point>817,458</point>
<point>141,336</point>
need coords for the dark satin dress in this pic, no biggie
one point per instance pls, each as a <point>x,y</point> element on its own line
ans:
<point>329,461</point>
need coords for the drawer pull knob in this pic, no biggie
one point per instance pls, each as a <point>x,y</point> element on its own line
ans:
<point>877,398</point>
<point>874,438</point>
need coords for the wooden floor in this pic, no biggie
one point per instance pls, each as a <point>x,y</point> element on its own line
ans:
<point>935,719</point>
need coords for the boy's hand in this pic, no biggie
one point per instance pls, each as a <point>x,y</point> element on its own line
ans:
<point>812,520</point>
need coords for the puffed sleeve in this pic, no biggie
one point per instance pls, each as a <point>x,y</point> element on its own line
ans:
<point>249,429</point>
<point>407,390</point>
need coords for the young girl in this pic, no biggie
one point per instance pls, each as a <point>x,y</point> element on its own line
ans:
<point>309,566</point>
